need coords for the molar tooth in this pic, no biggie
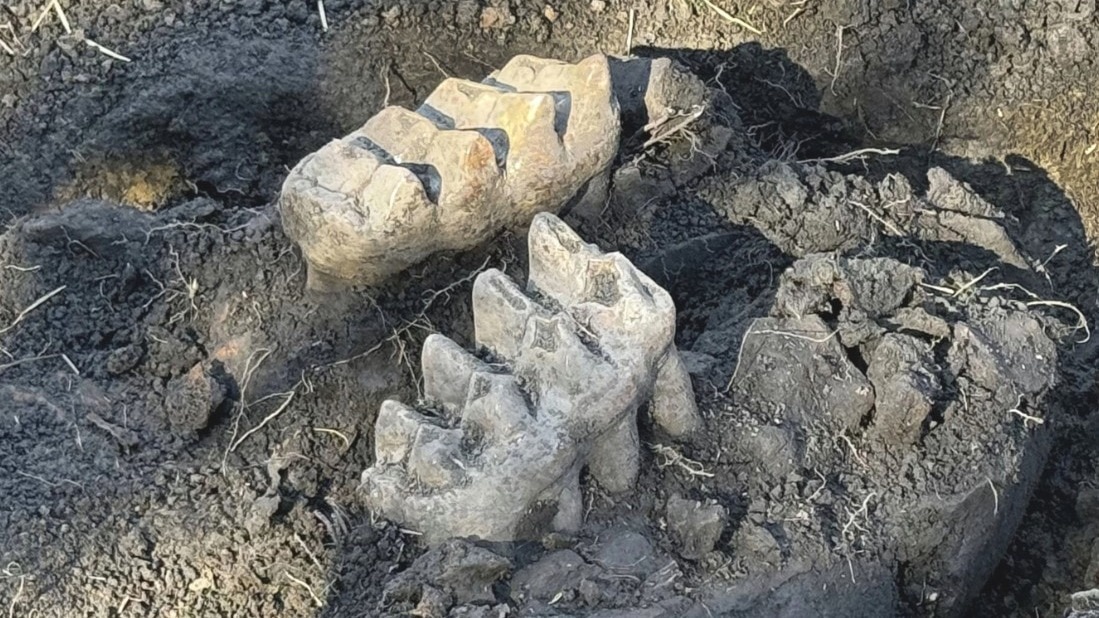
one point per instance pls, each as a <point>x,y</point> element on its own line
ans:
<point>566,398</point>
<point>477,158</point>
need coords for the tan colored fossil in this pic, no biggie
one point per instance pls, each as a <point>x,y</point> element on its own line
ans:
<point>473,160</point>
<point>497,452</point>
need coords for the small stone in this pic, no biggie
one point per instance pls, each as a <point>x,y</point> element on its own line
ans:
<point>628,552</point>
<point>466,12</point>
<point>263,509</point>
<point>434,603</point>
<point>757,545</point>
<point>392,14</point>
<point>697,526</point>
<point>550,14</point>
<point>195,397</point>
<point>124,359</point>
<point>457,569</point>
<point>1085,601</point>
<point>598,6</point>
<point>1087,505</point>
<point>495,17</point>
<point>590,593</point>
<point>554,573</point>
<point>203,582</point>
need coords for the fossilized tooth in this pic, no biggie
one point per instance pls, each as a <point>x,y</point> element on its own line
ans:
<point>581,96</point>
<point>577,354</point>
<point>474,159</point>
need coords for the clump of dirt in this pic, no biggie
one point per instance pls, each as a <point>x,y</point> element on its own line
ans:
<point>182,427</point>
<point>145,187</point>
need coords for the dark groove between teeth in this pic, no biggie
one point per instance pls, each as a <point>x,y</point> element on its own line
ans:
<point>427,174</point>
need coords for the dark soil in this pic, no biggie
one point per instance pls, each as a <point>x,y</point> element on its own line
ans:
<point>182,427</point>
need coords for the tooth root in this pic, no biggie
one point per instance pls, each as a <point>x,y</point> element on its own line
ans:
<point>447,369</point>
<point>434,457</point>
<point>395,431</point>
<point>673,402</point>
<point>615,457</point>
<point>500,313</point>
<point>570,506</point>
<point>496,406</point>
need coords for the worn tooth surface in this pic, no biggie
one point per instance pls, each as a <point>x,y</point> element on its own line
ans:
<point>563,397</point>
<point>403,135</point>
<point>500,313</point>
<point>343,189</point>
<point>398,427</point>
<point>457,168</point>
<point>460,103</point>
<point>433,458</point>
<point>592,106</point>
<point>474,159</point>
<point>447,370</point>
<point>495,406</point>
<point>538,171</point>
<point>558,258</point>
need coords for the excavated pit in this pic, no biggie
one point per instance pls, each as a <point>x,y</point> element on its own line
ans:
<point>876,276</point>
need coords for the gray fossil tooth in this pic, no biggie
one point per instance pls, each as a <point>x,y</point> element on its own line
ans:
<point>574,367</point>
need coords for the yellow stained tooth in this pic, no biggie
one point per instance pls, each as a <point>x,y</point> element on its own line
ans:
<point>474,160</point>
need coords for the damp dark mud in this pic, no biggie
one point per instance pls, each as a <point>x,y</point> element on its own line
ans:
<point>886,217</point>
